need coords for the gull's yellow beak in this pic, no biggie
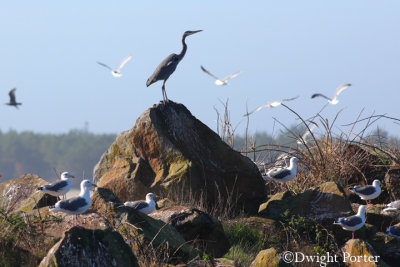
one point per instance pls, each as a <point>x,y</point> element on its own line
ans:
<point>94,185</point>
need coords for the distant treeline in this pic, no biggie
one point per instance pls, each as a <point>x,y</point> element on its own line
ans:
<point>45,154</point>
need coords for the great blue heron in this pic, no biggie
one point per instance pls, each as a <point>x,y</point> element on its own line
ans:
<point>218,81</point>
<point>12,101</point>
<point>333,100</point>
<point>168,65</point>
<point>116,72</point>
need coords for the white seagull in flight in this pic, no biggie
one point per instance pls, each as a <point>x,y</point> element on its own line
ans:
<point>333,100</point>
<point>223,81</point>
<point>272,104</point>
<point>116,72</point>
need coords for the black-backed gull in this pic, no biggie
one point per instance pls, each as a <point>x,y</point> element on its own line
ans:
<point>353,223</point>
<point>282,174</point>
<point>333,100</point>
<point>146,207</point>
<point>368,192</point>
<point>60,187</point>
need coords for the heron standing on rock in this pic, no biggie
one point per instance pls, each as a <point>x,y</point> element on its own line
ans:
<point>168,65</point>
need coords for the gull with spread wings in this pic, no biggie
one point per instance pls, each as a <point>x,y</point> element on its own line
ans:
<point>116,72</point>
<point>272,104</point>
<point>223,81</point>
<point>333,100</point>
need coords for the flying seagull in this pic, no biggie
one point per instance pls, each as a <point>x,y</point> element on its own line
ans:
<point>272,104</point>
<point>306,133</point>
<point>116,72</point>
<point>223,81</point>
<point>146,207</point>
<point>282,174</point>
<point>168,65</point>
<point>60,187</point>
<point>333,100</point>
<point>353,223</point>
<point>368,192</point>
<point>12,101</point>
<point>76,205</point>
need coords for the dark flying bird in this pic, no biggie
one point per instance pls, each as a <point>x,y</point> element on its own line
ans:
<point>116,72</point>
<point>218,81</point>
<point>353,223</point>
<point>146,207</point>
<point>168,65</point>
<point>76,205</point>
<point>333,100</point>
<point>13,102</point>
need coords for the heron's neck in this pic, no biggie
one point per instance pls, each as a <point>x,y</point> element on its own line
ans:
<point>184,48</point>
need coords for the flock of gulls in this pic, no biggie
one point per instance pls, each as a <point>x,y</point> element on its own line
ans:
<point>81,203</point>
<point>283,174</point>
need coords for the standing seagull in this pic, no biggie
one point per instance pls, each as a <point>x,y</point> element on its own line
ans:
<point>282,174</point>
<point>223,81</point>
<point>333,100</point>
<point>393,231</point>
<point>272,104</point>
<point>168,65</point>
<point>76,205</point>
<point>368,192</point>
<point>60,187</point>
<point>353,223</point>
<point>13,102</point>
<point>117,71</point>
<point>146,207</point>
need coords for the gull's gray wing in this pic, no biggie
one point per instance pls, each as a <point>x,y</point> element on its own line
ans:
<point>136,205</point>
<point>340,89</point>
<point>104,65</point>
<point>233,75</point>
<point>57,186</point>
<point>72,204</point>
<point>123,62</point>
<point>365,190</point>
<point>350,221</point>
<point>395,230</point>
<point>321,95</point>
<point>209,73</point>
<point>279,173</point>
<point>289,99</point>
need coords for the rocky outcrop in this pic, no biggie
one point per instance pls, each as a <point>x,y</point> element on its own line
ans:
<point>326,201</point>
<point>268,258</point>
<point>21,194</point>
<point>392,182</point>
<point>358,253</point>
<point>169,152</point>
<point>83,247</point>
<point>201,230</point>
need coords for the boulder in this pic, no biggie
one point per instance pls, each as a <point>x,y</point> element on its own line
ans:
<point>83,247</point>
<point>268,258</point>
<point>323,202</point>
<point>200,229</point>
<point>392,182</point>
<point>358,253</point>
<point>171,153</point>
<point>21,194</point>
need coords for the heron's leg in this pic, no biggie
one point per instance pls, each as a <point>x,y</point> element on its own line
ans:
<point>164,92</point>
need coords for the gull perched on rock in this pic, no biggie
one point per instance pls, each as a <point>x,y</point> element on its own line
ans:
<point>368,192</point>
<point>116,72</point>
<point>392,206</point>
<point>146,207</point>
<point>282,174</point>
<point>60,187</point>
<point>353,223</point>
<point>223,81</point>
<point>12,101</point>
<point>272,104</point>
<point>393,231</point>
<point>76,205</point>
<point>333,100</point>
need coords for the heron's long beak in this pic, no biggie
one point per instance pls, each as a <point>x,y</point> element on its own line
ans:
<point>193,32</point>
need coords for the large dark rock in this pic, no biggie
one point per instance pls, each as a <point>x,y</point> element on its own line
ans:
<point>392,182</point>
<point>324,202</point>
<point>83,247</point>
<point>200,229</point>
<point>170,152</point>
<point>21,194</point>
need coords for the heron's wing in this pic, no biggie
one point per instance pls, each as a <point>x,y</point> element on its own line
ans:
<point>340,89</point>
<point>104,65</point>
<point>231,76</point>
<point>209,73</point>
<point>289,99</point>
<point>123,62</point>
<point>12,95</point>
<point>321,95</point>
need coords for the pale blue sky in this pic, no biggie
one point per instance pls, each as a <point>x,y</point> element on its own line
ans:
<point>284,48</point>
